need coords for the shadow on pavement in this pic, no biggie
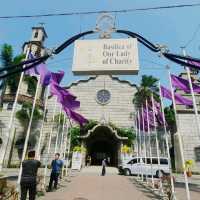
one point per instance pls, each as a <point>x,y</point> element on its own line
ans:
<point>144,190</point>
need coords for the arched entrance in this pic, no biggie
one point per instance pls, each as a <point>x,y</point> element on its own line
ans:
<point>103,142</point>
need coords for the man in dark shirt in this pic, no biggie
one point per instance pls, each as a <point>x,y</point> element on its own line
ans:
<point>29,176</point>
<point>56,166</point>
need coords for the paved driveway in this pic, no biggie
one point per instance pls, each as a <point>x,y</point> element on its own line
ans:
<point>89,185</point>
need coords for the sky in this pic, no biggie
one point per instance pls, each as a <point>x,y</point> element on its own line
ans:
<point>172,27</point>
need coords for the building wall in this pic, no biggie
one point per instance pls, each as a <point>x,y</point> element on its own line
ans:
<point>117,111</point>
<point>190,138</point>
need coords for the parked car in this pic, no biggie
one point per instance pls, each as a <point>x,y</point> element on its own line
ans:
<point>140,165</point>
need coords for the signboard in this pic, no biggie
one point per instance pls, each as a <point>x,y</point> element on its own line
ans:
<point>105,56</point>
<point>76,160</point>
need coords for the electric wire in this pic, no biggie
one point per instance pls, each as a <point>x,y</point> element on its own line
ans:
<point>193,36</point>
<point>101,11</point>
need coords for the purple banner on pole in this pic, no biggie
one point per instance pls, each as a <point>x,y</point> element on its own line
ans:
<point>75,116</point>
<point>59,91</point>
<point>183,84</point>
<point>57,77</point>
<point>41,70</point>
<point>178,98</point>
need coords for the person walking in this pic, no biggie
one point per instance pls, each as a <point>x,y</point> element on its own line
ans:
<point>56,166</point>
<point>29,176</point>
<point>103,167</point>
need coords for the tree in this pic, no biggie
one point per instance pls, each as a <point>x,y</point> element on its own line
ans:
<point>24,115</point>
<point>7,60</point>
<point>170,118</point>
<point>144,91</point>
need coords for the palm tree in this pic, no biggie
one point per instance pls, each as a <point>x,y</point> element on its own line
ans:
<point>147,86</point>
<point>7,60</point>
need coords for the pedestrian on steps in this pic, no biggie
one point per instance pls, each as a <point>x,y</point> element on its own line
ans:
<point>103,167</point>
<point>56,166</point>
<point>29,176</point>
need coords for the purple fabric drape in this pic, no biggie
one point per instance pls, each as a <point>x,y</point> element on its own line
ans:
<point>56,77</point>
<point>178,98</point>
<point>64,97</point>
<point>183,84</point>
<point>75,116</point>
<point>32,71</point>
<point>41,70</point>
<point>68,102</point>
<point>143,119</point>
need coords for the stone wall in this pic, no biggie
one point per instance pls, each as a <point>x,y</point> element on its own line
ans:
<point>190,138</point>
<point>120,107</point>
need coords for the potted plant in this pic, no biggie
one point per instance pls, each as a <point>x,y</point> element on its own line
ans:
<point>188,165</point>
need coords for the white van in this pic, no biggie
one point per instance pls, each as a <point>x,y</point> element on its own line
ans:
<point>140,165</point>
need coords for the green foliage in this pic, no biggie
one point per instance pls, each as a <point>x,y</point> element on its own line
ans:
<point>125,132</point>
<point>170,117</point>
<point>32,84</point>
<point>24,114</point>
<point>7,60</point>
<point>79,149</point>
<point>89,125</point>
<point>147,85</point>
<point>60,118</point>
<point>6,55</point>
<point>74,134</point>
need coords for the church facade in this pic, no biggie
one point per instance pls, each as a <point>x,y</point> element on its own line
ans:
<point>107,100</point>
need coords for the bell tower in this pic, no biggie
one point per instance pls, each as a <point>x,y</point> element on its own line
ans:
<point>38,38</point>
<point>38,49</point>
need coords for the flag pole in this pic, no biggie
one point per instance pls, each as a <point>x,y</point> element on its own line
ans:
<point>62,135</point>
<point>58,131</point>
<point>166,140</point>
<point>43,121</point>
<point>49,143</point>
<point>63,140</point>
<point>140,136</point>
<point>136,136</point>
<point>61,143</point>
<point>192,93</point>
<point>69,145</point>
<point>150,150</point>
<point>179,138</point>
<point>12,116</point>
<point>28,130</point>
<point>66,144</point>
<point>144,135</point>
<point>157,142</point>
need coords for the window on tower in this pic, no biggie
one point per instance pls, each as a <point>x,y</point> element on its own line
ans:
<point>36,34</point>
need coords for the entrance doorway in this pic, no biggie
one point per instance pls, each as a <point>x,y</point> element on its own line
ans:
<point>103,142</point>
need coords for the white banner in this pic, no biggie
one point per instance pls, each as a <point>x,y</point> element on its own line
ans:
<point>76,160</point>
<point>105,56</point>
